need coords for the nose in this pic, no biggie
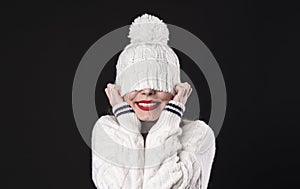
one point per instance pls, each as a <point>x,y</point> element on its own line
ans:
<point>148,92</point>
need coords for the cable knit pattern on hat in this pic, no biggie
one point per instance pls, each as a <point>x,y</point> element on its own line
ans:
<point>148,61</point>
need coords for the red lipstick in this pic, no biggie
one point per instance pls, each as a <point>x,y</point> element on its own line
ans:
<point>143,105</point>
<point>145,101</point>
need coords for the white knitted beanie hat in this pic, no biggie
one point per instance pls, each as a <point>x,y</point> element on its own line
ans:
<point>148,61</point>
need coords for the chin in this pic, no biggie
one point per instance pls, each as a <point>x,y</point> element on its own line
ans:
<point>149,116</point>
<point>145,118</point>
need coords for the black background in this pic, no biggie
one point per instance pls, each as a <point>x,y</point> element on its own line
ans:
<point>255,43</point>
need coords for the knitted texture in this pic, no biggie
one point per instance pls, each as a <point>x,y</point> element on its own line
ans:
<point>184,156</point>
<point>148,61</point>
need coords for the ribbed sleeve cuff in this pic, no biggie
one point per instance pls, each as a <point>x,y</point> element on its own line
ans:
<point>121,108</point>
<point>127,117</point>
<point>170,117</point>
<point>175,107</point>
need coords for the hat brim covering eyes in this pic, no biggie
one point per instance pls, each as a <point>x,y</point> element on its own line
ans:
<point>149,74</point>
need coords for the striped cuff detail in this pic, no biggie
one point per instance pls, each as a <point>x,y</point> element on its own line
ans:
<point>122,110</point>
<point>174,109</point>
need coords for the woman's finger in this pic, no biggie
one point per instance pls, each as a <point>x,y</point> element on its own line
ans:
<point>107,93</point>
<point>183,91</point>
<point>185,87</point>
<point>109,85</point>
<point>190,91</point>
<point>187,90</point>
<point>115,95</point>
<point>179,93</point>
<point>117,87</point>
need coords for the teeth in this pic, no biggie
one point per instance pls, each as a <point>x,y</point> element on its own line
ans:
<point>147,104</point>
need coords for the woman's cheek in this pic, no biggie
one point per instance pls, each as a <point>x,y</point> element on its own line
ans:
<point>166,96</point>
<point>129,96</point>
<point>132,95</point>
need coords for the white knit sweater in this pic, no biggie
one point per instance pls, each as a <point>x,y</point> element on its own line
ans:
<point>185,157</point>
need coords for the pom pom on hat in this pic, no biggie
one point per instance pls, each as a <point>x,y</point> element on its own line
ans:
<point>148,29</point>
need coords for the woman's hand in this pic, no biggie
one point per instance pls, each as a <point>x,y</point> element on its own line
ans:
<point>182,92</point>
<point>113,93</point>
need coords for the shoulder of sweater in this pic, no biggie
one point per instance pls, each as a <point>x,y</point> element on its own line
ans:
<point>107,118</point>
<point>194,125</point>
<point>197,131</point>
<point>107,121</point>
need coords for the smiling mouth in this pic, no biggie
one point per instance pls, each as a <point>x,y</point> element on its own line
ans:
<point>147,105</point>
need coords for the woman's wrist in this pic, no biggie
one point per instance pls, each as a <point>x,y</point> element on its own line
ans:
<point>170,116</point>
<point>175,107</point>
<point>127,117</point>
<point>121,108</point>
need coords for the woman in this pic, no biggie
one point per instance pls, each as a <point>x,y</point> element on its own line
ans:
<point>148,101</point>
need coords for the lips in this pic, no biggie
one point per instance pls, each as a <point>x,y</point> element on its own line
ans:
<point>147,105</point>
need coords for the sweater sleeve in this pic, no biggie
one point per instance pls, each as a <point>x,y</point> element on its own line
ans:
<point>177,159</point>
<point>116,160</point>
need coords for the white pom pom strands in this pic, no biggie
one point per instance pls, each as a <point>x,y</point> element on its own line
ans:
<point>148,29</point>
